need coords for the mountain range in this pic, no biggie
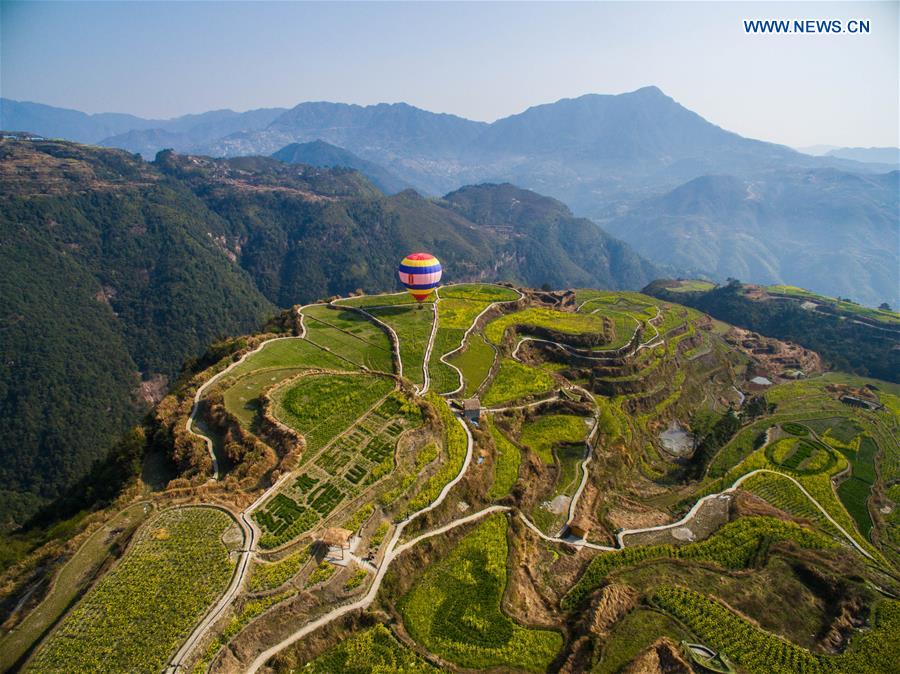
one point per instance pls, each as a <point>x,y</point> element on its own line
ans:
<point>825,229</point>
<point>116,271</point>
<point>627,161</point>
<point>878,155</point>
<point>320,153</point>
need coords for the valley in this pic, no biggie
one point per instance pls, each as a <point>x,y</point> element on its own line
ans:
<point>480,482</point>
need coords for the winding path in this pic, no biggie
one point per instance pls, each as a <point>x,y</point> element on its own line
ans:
<point>189,424</point>
<point>467,334</point>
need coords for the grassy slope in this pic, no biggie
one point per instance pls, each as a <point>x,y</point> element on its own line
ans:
<point>454,609</point>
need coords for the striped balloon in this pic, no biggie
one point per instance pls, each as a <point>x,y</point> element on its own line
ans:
<point>420,273</point>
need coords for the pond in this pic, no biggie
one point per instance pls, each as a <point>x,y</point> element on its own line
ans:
<point>677,441</point>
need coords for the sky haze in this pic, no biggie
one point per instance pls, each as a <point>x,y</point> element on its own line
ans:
<point>479,60</point>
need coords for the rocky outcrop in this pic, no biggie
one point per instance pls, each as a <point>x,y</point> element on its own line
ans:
<point>662,657</point>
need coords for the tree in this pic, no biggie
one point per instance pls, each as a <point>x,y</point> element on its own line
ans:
<point>884,306</point>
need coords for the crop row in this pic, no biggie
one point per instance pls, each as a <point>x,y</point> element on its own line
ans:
<point>455,444</point>
<point>367,651</point>
<point>737,545</point>
<point>757,651</point>
<point>137,614</point>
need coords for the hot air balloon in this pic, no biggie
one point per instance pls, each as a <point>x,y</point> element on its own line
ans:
<point>420,273</point>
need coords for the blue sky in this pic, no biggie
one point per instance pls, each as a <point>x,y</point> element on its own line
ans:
<point>479,60</point>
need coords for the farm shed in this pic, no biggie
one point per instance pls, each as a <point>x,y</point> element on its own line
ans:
<point>336,537</point>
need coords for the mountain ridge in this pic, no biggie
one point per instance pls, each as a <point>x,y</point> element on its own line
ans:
<point>606,157</point>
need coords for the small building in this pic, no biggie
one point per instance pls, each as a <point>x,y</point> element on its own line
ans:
<point>472,409</point>
<point>336,537</point>
<point>579,528</point>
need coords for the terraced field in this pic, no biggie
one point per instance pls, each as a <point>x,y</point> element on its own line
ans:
<point>474,362</point>
<point>321,407</point>
<point>138,614</point>
<point>349,335</point>
<point>515,380</point>
<point>559,321</point>
<point>348,464</point>
<point>413,327</point>
<point>479,537</point>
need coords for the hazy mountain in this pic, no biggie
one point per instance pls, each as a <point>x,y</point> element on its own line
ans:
<point>877,155</point>
<point>53,122</point>
<point>611,158</point>
<point>816,150</point>
<point>190,131</point>
<point>886,156</point>
<point>135,134</point>
<point>118,270</point>
<point>320,153</point>
<point>547,243</point>
<point>595,152</point>
<point>827,230</point>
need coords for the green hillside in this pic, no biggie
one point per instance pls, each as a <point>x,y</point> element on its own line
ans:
<point>122,270</point>
<point>381,522</point>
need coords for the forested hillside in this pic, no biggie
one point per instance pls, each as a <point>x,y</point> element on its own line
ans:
<point>120,270</point>
<point>112,275</point>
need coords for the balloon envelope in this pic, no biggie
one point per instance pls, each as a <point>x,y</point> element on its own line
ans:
<point>420,273</point>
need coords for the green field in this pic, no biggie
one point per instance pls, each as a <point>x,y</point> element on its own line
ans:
<point>454,608</point>
<point>270,575</point>
<point>635,632</point>
<point>349,335</point>
<point>515,380</point>
<point>369,651</point>
<point>458,313</point>
<point>761,652</point>
<point>475,362</point>
<point>785,495</point>
<point>570,457</point>
<point>692,286</point>
<point>413,328</point>
<point>455,445</point>
<point>358,460</point>
<point>479,292</point>
<point>321,407</point>
<point>288,353</point>
<point>543,434</point>
<point>800,455</point>
<point>242,398</point>
<point>444,378</point>
<point>138,614</point>
<point>880,315</point>
<point>506,462</point>
<point>559,321</point>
